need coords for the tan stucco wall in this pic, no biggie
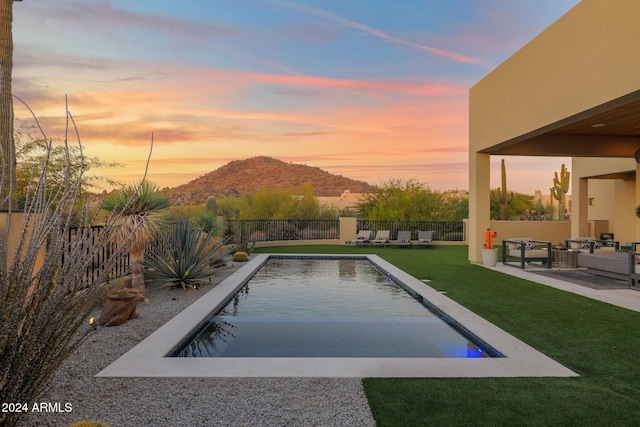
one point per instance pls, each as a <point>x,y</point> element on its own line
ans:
<point>14,236</point>
<point>602,191</point>
<point>615,199</point>
<point>348,228</point>
<point>586,58</point>
<point>551,231</point>
<point>624,222</point>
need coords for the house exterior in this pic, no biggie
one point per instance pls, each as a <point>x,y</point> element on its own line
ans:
<point>573,91</point>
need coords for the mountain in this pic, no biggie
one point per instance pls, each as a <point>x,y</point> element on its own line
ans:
<point>254,174</point>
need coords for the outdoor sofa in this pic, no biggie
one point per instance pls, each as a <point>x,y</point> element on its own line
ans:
<point>593,245</point>
<point>634,264</point>
<point>525,250</point>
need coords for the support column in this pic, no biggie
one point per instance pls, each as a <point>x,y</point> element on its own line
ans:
<point>479,203</point>
<point>637,220</point>
<point>348,228</point>
<point>580,207</point>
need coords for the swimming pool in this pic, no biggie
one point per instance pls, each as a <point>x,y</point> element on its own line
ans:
<point>327,307</point>
<point>149,358</point>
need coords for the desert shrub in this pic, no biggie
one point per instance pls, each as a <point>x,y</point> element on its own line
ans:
<point>46,300</point>
<point>210,223</point>
<point>186,258</point>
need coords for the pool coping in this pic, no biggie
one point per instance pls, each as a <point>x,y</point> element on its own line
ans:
<point>147,358</point>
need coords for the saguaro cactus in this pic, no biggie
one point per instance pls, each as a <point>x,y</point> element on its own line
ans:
<point>502,196</point>
<point>211,205</point>
<point>560,189</point>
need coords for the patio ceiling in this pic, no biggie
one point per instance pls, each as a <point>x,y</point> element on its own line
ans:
<point>611,129</point>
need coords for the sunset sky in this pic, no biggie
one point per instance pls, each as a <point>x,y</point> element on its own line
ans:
<point>368,89</point>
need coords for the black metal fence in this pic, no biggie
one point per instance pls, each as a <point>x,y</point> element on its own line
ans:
<point>273,230</point>
<point>288,229</point>
<point>452,231</point>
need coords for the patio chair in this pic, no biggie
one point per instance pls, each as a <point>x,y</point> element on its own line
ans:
<point>382,238</point>
<point>525,250</point>
<point>362,237</point>
<point>425,238</point>
<point>403,240</point>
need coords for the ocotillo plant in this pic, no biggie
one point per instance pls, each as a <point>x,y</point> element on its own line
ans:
<point>502,196</point>
<point>560,189</point>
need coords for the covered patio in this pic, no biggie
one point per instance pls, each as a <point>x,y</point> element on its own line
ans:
<point>573,91</point>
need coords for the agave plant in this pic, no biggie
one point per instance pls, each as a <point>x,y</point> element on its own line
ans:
<point>141,211</point>
<point>210,223</point>
<point>185,258</point>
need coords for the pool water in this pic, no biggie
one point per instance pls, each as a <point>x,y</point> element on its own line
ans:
<point>325,308</point>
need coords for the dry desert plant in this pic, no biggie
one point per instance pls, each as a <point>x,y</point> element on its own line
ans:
<point>45,297</point>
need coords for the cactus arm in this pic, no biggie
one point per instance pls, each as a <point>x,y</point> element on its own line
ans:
<point>560,189</point>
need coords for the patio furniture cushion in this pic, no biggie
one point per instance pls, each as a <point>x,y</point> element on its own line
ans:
<point>586,244</point>
<point>530,253</point>
<point>528,244</point>
<point>515,244</point>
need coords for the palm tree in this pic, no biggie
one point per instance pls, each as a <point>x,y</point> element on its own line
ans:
<point>140,211</point>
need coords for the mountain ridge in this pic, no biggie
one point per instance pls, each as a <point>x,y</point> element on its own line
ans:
<point>251,175</point>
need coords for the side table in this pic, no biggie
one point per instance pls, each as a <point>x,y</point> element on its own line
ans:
<point>564,258</point>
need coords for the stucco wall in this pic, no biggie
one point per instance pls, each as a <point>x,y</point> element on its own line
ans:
<point>624,222</point>
<point>15,234</point>
<point>559,73</point>
<point>585,59</point>
<point>552,231</point>
<point>615,199</point>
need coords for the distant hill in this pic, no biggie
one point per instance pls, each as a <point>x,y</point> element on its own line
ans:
<point>251,175</point>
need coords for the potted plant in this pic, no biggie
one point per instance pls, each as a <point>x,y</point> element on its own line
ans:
<point>489,253</point>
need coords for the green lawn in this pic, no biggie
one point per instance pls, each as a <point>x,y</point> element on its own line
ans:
<point>598,341</point>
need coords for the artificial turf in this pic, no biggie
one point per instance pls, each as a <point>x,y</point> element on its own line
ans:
<point>598,341</point>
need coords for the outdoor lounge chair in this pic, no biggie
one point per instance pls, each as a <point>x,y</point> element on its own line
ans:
<point>382,238</point>
<point>425,238</point>
<point>362,237</point>
<point>526,250</point>
<point>403,240</point>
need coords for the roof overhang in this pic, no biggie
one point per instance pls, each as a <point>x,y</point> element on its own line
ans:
<point>611,129</point>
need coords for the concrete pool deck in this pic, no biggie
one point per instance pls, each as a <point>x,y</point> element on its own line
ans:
<point>147,359</point>
<point>625,298</point>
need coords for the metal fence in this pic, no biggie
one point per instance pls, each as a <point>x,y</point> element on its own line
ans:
<point>273,230</point>
<point>452,231</point>
<point>287,229</point>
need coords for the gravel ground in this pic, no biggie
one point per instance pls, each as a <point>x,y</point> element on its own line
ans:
<point>130,402</point>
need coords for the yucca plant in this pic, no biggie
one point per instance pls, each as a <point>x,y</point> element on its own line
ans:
<point>187,257</point>
<point>141,212</point>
